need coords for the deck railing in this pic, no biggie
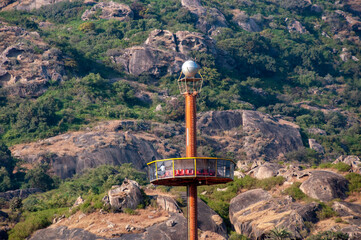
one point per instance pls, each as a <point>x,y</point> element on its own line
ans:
<point>191,168</point>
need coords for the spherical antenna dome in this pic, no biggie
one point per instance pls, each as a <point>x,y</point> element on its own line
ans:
<point>190,69</point>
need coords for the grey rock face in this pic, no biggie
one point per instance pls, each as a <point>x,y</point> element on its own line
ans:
<point>296,26</point>
<point>128,195</point>
<point>63,232</point>
<point>109,10</point>
<point>204,14</point>
<point>168,204</point>
<point>146,59</point>
<point>325,186</point>
<point>256,212</point>
<point>163,52</point>
<point>247,133</point>
<point>211,123</point>
<point>245,22</point>
<point>269,138</point>
<point>24,72</point>
<point>266,170</point>
<point>192,41</point>
<point>20,193</point>
<point>209,220</point>
<point>27,5</point>
<point>349,211</point>
<point>89,150</point>
<point>316,146</point>
<point>351,160</point>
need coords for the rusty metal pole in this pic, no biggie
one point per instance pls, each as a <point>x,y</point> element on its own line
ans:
<point>191,151</point>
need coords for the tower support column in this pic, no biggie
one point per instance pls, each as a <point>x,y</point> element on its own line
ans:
<point>191,151</point>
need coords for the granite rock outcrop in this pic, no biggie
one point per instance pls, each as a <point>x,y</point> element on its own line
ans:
<point>248,134</point>
<point>255,212</point>
<point>325,186</point>
<point>209,20</point>
<point>162,53</point>
<point>109,10</point>
<point>128,195</point>
<point>27,63</point>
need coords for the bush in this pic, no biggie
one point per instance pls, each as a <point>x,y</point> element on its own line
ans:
<point>33,222</point>
<point>325,212</point>
<point>304,155</point>
<point>295,192</point>
<point>38,178</point>
<point>87,27</point>
<point>355,182</point>
<point>129,211</point>
<point>342,167</point>
<point>236,236</point>
<point>328,235</point>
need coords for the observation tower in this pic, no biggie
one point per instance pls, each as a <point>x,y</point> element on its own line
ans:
<point>191,171</point>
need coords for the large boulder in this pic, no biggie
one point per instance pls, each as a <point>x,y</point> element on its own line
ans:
<point>162,53</point>
<point>209,19</point>
<point>316,146</point>
<point>254,213</point>
<point>26,5</point>
<point>148,60</point>
<point>20,193</point>
<point>193,41</point>
<point>24,71</point>
<point>168,204</point>
<point>351,212</point>
<point>63,232</point>
<point>128,195</point>
<point>353,161</point>
<point>266,170</point>
<point>74,152</point>
<point>245,22</point>
<point>213,122</point>
<point>269,138</point>
<point>173,228</point>
<point>109,10</point>
<point>162,39</point>
<point>325,186</point>
<point>209,220</point>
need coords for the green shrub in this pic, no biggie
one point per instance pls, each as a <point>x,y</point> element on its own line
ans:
<point>325,212</point>
<point>355,182</point>
<point>236,236</point>
<point>328,235</point>
<point>87,27</point>
<point>33,222</point>
<point>295,192</point>
<point>325,165</point>
<point>129,211</point>
<point>342,167</point>
<point>279,234</point>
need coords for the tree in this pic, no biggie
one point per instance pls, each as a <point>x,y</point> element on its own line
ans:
<point>5,181</point>
<point>87,27</point>
<point>38,178</point>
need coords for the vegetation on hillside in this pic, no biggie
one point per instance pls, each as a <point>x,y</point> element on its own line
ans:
<point>274,70</point>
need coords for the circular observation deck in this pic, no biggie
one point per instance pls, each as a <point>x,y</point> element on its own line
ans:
<point>183,171</point>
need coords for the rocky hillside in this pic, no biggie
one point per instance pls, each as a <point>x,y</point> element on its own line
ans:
<point>245,135</point>
<point>27,63</point>
<point>89,87</point>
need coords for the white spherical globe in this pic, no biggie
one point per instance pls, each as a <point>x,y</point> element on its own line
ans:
<point>190,68</point>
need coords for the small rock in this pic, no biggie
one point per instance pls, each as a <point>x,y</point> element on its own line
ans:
<point>170,223</point>
<point>222,189</point>
<point>81,216</point>
<point>316,146</point>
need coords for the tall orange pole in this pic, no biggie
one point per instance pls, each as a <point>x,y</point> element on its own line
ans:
<point>191,151</point>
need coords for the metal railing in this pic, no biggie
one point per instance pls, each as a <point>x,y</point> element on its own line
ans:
<point>191,167</point>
